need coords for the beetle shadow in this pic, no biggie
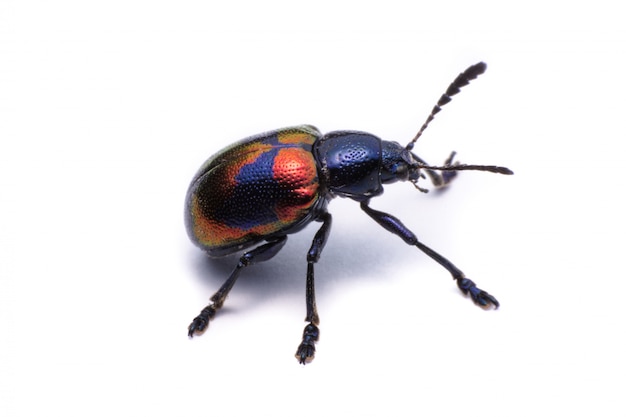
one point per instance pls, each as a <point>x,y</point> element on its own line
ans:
<point>258,284</point>
<point>348,256</point>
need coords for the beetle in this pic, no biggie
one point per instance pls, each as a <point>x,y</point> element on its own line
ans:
<point>266,187</point>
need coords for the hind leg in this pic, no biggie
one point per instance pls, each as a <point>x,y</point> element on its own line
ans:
<point>259,254</point>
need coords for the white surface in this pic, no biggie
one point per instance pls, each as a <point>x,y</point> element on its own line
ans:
<point>107,109</point>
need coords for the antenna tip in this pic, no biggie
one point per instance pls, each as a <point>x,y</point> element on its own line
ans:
<point>475,70</point>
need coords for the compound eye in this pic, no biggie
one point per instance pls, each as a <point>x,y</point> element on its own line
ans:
<point>394,172</point>
<point>401,172</point>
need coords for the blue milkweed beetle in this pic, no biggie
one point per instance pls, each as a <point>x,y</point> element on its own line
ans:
<point>267,186</point>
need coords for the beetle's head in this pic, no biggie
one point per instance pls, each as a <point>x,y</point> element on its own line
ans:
<point>400,164</point>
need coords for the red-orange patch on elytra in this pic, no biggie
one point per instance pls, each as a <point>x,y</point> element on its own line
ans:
<point>295,168</point>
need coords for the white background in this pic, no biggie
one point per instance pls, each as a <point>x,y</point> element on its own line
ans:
<point>108,108</point>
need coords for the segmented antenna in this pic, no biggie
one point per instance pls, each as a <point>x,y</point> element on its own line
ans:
<point>464,167</point>
<point>462,80</point>
<point>441,180</point>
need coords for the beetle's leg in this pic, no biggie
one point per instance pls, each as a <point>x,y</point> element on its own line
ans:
<point>395,226</point>
<point>440,179</point>
<point>258,254</point>
<point>448,176</point>
<point>306,350</point>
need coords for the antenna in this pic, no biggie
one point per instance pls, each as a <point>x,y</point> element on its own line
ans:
<point>461,80</point>
<point>441,180</point>
<point>464,167</point>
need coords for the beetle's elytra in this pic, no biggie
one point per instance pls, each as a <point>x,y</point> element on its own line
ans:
<point>263,188</point>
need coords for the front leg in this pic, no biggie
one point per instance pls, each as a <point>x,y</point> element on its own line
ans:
<point>306,350</point>
<point>395,226</point>
<point>440,180</point>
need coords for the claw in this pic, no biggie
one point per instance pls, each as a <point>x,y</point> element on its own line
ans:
<point>306,350</point>
<point>305,353</point>
<point>480,297</point>
<point>485,299</point>
<point>200,323</point>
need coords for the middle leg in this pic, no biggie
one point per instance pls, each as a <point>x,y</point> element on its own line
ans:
<point>310,335</point>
